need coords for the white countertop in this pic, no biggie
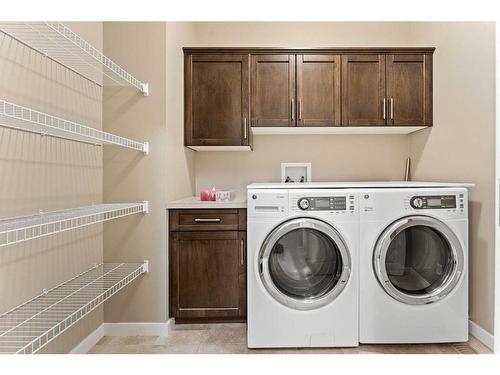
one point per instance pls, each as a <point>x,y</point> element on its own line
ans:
<point>240,201</point>
<point>356,184</point>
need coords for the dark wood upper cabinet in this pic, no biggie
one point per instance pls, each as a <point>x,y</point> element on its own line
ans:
<point>363,90</point>
<point>217,100</point>
<point>409,90</point>
<point>318,90</point>
<point>273,90</point>
<point>227,90</point>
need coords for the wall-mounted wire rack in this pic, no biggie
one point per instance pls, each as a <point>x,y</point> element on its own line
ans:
<point>27,328</point>
<point>61,44</point>
<point>20,229</point>
<point>27,119</point>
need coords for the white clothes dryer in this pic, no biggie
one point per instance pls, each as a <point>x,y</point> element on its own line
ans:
<point>413,265</point>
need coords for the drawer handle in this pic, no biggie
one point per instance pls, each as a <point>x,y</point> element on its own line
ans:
<point>199,220</point>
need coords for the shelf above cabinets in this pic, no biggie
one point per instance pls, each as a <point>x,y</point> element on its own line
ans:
<point>339,130</point>
<point>57,42</point>
<point>29,327</point>
<point>23,118</point>
<point>315,130</point>
<point>24,228</point>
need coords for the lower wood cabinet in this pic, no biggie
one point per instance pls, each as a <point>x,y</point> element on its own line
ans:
<point>207,267</point>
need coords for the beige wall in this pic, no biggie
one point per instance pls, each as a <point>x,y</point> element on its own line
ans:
<point>49,173</point>
<point>461,146</point>
<point>130,176</point>
<point>153,52</point>
<point>180,160</point>
<point>333,158</point>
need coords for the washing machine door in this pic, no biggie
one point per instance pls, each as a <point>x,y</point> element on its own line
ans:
<point>418,260</point>
<point>304,263</point>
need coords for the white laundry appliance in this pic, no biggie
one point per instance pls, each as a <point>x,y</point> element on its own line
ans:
<point>302,267</point>
<point>413,265</point>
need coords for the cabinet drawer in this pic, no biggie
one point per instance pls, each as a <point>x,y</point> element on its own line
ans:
<point>207,219</point>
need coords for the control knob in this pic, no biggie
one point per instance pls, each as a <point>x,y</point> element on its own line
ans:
<point>304,203</point>
<point>418,203</point>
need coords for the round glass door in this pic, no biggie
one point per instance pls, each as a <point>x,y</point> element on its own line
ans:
<point>418,260</point>
<point>304,263</point>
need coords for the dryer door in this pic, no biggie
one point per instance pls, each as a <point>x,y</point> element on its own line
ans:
<point>418,260</point>
<point>304,263</point>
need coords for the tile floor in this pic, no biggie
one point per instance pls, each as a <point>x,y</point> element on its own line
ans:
<point>231,339</point>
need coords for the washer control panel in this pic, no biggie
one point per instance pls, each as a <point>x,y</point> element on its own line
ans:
<point>332,203</point>
<point>421,202</point>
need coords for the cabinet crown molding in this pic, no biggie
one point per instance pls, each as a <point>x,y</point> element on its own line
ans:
<point>318,50</point>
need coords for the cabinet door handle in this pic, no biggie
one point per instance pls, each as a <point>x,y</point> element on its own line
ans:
<point>392,108</point>
<point>300,109</point>
<point>383,111</point>
<point>199,220</point>
<point>242,252</point>
<point>244,128</point>
<point>291,109</point>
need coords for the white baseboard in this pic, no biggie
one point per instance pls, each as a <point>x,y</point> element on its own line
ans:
<point>137,329</point>
<point>122,329</point>
<point>482,335</point>
<point>88,342</point>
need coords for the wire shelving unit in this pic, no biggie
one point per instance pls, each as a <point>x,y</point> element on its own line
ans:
<point>61,44</point>
<point>27,328</point>
<point>20,229</point>
<point>27,119</point>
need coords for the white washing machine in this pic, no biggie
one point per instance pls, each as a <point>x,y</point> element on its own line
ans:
<point>413,270</point>
<point>302,267</point>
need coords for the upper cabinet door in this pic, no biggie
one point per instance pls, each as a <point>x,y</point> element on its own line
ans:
<point>217,97</point>
<point>273,90</point>
<point>318,90</point>
<point>409,89</point>
<point>363,90</point>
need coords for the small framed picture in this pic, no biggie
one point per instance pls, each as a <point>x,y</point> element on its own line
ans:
<point>296,172</point>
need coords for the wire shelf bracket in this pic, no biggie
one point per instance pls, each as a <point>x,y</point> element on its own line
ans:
<point>59,43</point>
<point>20,229</point>
<point>26,119</point>
<point>29,327</point>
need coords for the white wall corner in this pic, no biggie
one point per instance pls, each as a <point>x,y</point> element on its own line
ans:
<point>88,342</point>
<point>482,335</point>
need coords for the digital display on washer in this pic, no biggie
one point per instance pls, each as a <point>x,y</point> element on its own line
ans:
<point>322,203</point>
<point>328,203</point>
<point>434,201</point>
